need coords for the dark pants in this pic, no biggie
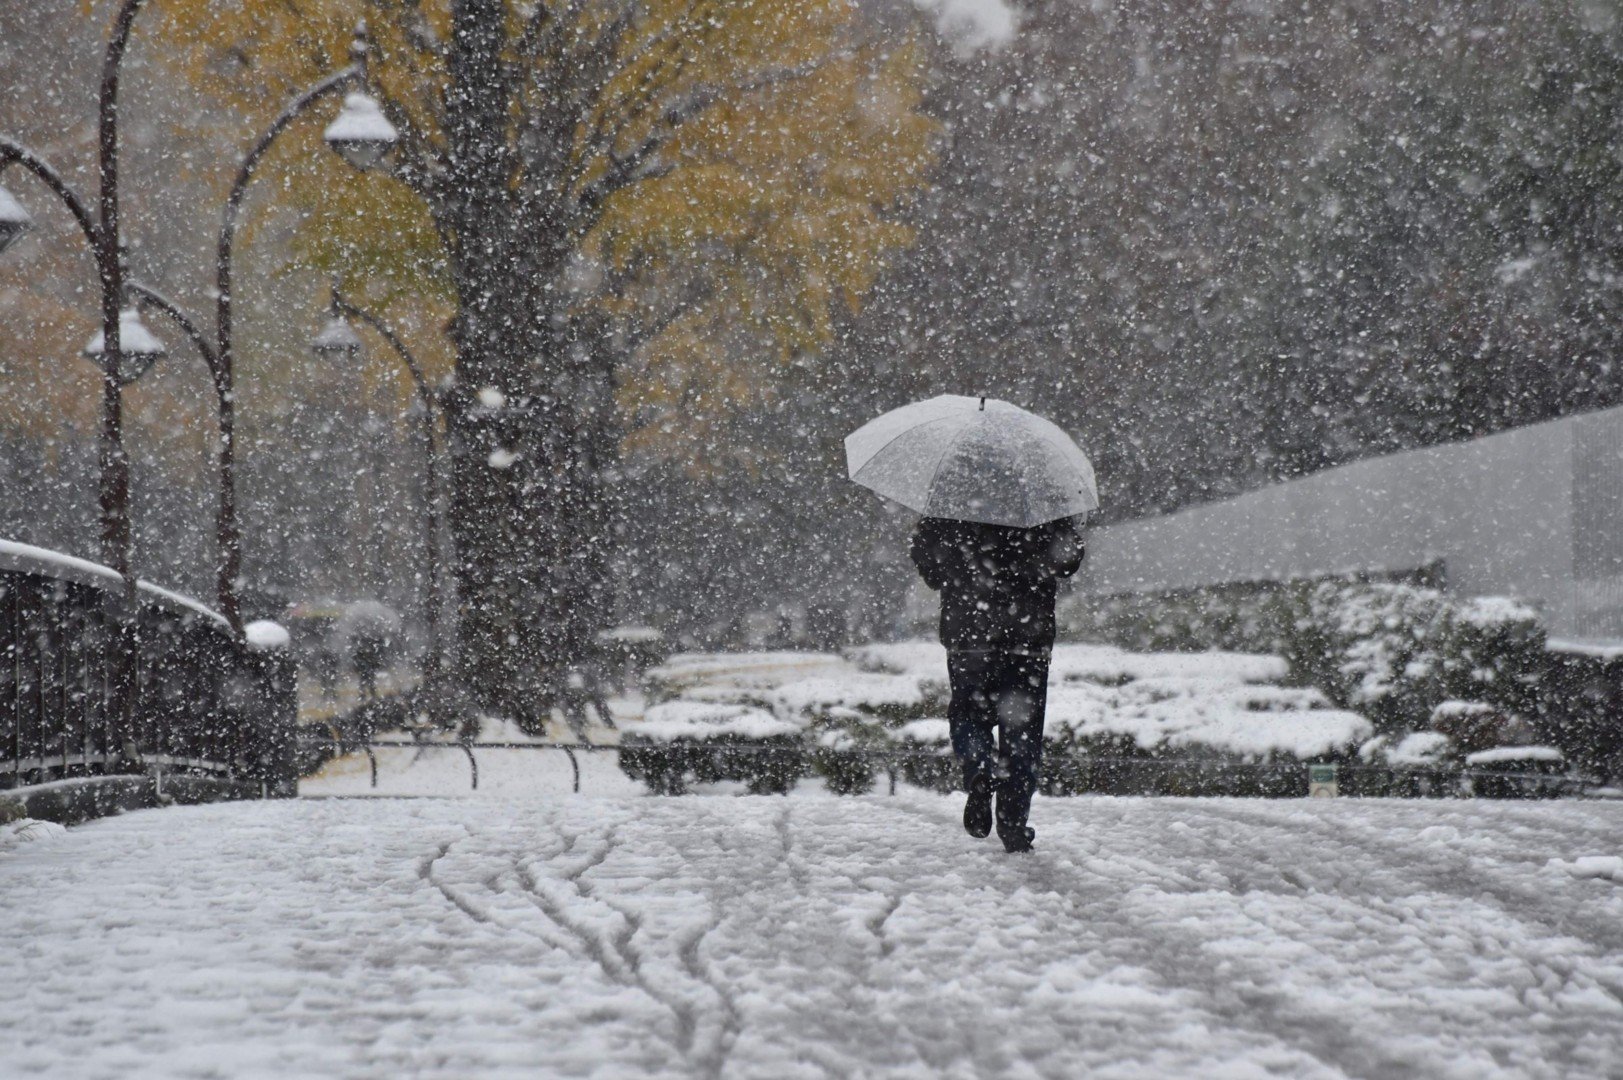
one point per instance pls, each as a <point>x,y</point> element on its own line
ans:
<point>1007,692</point>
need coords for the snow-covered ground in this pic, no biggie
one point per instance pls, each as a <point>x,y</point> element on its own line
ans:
<point>808,936</point>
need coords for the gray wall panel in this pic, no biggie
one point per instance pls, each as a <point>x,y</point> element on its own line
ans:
<point>1535,513</point>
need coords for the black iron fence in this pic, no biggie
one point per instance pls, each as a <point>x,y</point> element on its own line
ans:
<point>203,702</point>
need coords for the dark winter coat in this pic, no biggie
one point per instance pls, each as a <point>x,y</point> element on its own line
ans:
<point>997,584</point>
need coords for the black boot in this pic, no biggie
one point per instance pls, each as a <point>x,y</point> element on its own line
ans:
<point>1013,804</point>
<point>1016,838</point>
<point>978,807</point>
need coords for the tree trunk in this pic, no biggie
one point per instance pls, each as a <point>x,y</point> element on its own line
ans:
<point>496,568</point>
<point>530,414</point>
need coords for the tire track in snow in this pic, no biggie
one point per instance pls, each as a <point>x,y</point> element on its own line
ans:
<point>1317,1030</point>
<point>708,1056</point>
<point>876,923</point>
<point>425,872</point>
<point>726,889</point>
<point>1185,964</point>
<point>712,1059</point>
<point>792,864</point>
<point>613,952</point>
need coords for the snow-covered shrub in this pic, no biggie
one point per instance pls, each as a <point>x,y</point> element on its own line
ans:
<point>852,716</point>
<point>1396,651</point>
<point>1364,659</point>
<point>1420,764</point>
<point>1494,649</point>
<point>1422,749</point>
<point>1516,772</point>
<point>660,765</point>
<point>889,699</point>
<point>842,752</point>
<point>767,766</point>
<point>1476,725</point>
<point>1580,701</point>
<point>733,678</point>
<point>1208,716</point>
<point>929,762</point>
<point>1517,757</point>
<point>681,742</point>
<point>1370,647</point>
<point>1390,650</point>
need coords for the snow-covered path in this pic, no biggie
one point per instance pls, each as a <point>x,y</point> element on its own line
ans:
<point>814,936</point>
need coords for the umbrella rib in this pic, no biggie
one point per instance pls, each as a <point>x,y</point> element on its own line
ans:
<point>899,435</point>
<point>1048,438</point>
<point>1025,490</point>
<point>929,488</point>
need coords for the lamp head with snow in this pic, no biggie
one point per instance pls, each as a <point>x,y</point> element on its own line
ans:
<point>360,132</point>
<point>14,220</point>
<point>138,347</point>
<point>337,341</point>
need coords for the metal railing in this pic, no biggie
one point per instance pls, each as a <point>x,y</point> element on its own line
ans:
<point>1063,774</point>
<point>202,701</point>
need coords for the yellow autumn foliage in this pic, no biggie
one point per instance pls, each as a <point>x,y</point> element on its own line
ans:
<point>771,209</point>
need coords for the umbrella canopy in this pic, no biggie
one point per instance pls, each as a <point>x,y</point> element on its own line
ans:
<point>973,459</point>
<point>367,617</point>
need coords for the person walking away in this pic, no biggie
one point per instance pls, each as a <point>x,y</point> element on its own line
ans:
<point>997,586</point>
<point>367,655</point>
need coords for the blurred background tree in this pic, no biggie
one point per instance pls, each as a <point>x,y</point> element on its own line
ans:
<point>629,208</point>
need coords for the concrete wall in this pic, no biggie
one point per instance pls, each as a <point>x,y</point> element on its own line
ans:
<point>1535,513</point>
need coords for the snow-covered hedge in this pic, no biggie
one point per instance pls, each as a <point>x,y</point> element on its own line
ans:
<point>1392,651</point>
<point>837,716</point>
<point>708,740</point>
<point>1395,652</point>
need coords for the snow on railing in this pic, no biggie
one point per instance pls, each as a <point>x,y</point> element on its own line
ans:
<point>91,689</point>
<point>28,559</point>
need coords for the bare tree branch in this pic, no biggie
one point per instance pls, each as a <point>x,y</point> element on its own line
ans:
<point>639,164</point>
<point>616,117</point>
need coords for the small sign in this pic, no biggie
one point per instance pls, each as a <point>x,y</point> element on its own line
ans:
<point>1321,782</point>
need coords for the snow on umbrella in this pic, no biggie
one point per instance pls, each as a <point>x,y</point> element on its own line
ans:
<point>367,617</point>
<point>973,459</point>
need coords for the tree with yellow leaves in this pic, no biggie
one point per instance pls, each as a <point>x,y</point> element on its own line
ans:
<point>613,194</point>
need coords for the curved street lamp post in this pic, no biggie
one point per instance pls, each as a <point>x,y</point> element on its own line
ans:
<point>125,349</point>
<point>337,342</point>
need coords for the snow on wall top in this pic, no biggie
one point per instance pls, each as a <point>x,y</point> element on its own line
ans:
<point>27,558</point>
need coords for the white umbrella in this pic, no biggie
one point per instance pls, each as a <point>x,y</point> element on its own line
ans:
<point>973,459</point>
<point>369,617</point>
